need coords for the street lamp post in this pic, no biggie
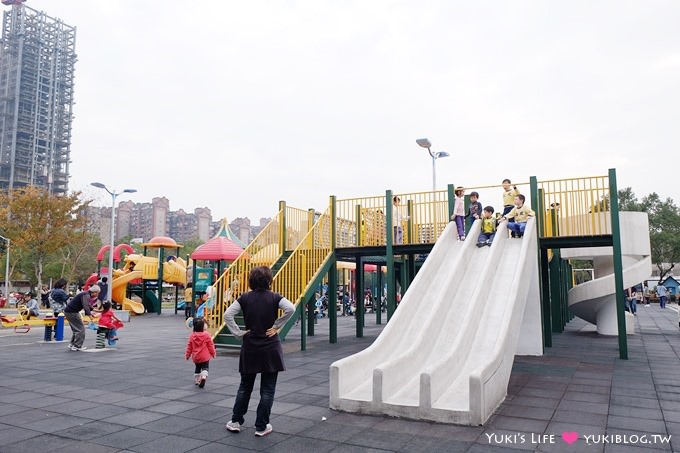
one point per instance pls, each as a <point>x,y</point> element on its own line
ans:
<point>113,194</point>
<point>425,143</point>
<point>6,268</point>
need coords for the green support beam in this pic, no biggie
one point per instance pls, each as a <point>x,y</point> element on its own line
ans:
<point>333,278</point>
<point>359,296</point>
<point>618,265</point>
<point>389,252</point>
<point>556,309</point>
<point>282,228</point>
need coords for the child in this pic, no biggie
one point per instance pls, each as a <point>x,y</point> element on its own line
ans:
<point>488,230</point>
<point>31,307</point>
<point>397,219</point>
<point>475,209</point>
<point>459,212</point>
<point>520,213</point>
<point>200,348</point>
<point>508,196</point>
<point>108,321</point>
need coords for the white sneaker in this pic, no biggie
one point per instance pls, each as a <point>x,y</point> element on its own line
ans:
<point>234,427</point>
<point>72,348</point>
<point>266,431</point>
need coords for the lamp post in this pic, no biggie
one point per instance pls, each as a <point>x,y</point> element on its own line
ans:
<point>425,143</point>
<point>113,194</point>
<point>6,268</point>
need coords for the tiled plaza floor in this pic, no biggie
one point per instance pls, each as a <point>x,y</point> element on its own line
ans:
<point>141,397</point>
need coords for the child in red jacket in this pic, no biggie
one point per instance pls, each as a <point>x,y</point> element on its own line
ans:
<point>200,348</point>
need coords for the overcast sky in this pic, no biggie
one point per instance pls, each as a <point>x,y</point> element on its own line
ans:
<point>234,105</point>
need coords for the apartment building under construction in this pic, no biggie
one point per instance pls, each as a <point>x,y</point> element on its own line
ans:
<point>37,58</point>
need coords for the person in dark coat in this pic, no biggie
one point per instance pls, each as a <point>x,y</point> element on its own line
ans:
<point>103,289</point>
<point>72,310</point>
<point>261,351</point>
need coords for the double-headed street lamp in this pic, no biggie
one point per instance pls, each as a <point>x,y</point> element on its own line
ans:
<point>425,143</point>
<point>113,194</point>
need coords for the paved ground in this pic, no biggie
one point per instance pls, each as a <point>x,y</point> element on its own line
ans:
<point>141,397</point>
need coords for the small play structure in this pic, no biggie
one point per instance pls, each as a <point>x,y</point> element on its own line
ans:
<point>213,257</point>
<point>148,273</point>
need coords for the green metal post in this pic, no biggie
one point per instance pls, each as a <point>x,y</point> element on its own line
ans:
<point>555,270</point>
<point>161,258</point>
<point>466,207</point>
<point>282,227</point>
<point>451,197</point>
<point>378,312</point>
<point>359,296</point>
<point>311,318</point>
<point>545,298</point>
<point>333,276</point>
<point>544,280</point>
<point>194,276</point>
<point>359,223</point>
<point>569,284</point>
<point>310,225</point>
<point>303,323</point>
<point>389,252</point>
<point>411,270</point>
<point>618,265</point>
<point>566,276</point>
<point>409,222</point>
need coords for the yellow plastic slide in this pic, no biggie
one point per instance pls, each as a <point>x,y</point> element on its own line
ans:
<point>119,290</point>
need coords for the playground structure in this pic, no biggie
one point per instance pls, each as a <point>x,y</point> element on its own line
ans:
<point>411,376</point>
<point>221,250</point>
<point>141,268</point>
<point>594,300</point>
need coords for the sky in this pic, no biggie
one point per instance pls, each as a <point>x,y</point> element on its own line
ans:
<point>235,105</point>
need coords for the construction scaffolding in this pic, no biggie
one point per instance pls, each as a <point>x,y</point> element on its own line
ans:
<point>37,59</point>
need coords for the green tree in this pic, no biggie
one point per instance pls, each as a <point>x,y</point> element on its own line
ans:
<point>40,224</point>
<point>664,227</point>
<point>190,246</point>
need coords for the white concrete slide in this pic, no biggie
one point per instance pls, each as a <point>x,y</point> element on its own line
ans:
<point>447,353</point>
<point>595,301</point>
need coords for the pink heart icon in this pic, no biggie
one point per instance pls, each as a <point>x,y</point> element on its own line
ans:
<point>570,437</point>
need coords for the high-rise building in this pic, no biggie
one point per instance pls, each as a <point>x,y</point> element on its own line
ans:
<point>37,59</point>
<point>183,226</point>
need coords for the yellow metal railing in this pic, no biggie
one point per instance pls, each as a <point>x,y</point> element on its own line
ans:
<point>309,252</point>
<point>264,250</point>
<point>300,269</point>
<point>297,226</point>
<point>427,214</point>
<point>362,221</point>
<point>370,212</point>
<point>576,207</point>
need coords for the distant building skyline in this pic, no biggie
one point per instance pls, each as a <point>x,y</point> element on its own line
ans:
<point>147,220</point>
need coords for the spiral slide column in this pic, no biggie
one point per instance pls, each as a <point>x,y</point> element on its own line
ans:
<point>595,301</point>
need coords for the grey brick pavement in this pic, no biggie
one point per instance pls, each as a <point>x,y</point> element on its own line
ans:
<point>140,397</point>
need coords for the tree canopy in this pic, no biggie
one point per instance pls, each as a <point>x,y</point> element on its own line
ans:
<point>664,227</point>
<point>40,225</point>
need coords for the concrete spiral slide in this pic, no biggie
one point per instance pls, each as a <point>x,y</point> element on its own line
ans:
<point>595,301</point>
<point>447,353</point>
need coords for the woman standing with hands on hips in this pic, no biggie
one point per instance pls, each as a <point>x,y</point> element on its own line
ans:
<point>261,351</point>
